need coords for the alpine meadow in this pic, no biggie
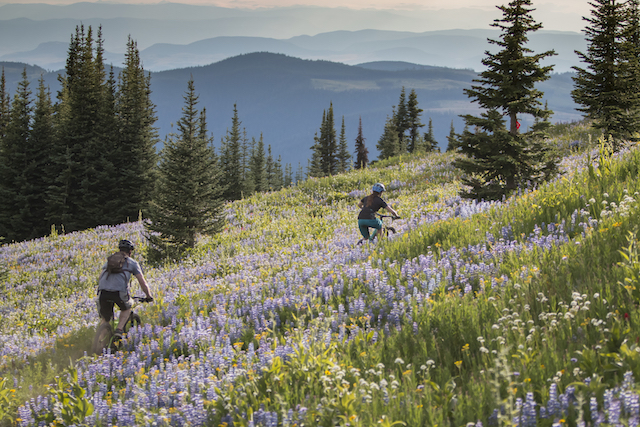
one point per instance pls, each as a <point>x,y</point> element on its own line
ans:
<point>506,293</point>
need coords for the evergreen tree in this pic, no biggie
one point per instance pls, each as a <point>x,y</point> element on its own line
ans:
<point>231,160</point>
<point>83,177</point>
<point>401,118</point>
<point>314,168</point>
<point>498,158</point>
<point>276,180</point>
<point>414,123</point>
<point>137,137</point>
<point>299,176</point>
<point>188,201</point>
<point>246,148</point>
<point>38,164</point>
<point>288,175</point>
<point>389,145</point>
<point>13,162</point>
<point>5,105</point>
<point>257,166</point>
<point>452,139</point>
<point>344,157</point>
<point>430,142</point>
<point>362,153</point>
<point>327,144</point>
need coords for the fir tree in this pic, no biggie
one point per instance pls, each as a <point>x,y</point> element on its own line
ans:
<point>452,139</point>
<point>344,157</point>
<point>13,162</point>
<point>82,180</point>
<point>389,145</point>
<point>430,142</point>
<point>5,105</point>
<point>327,144</point>
<point>314,167</point>
<point>498,158</point>
<point>362,153</point>
<point>231,160</point>
<point>401,118</point>
<point>188,201</point>
<point>607,89</point>
<point>257,167</point>
<point>414,123</point>
<point>288,175</point>
<point>299,176</point>
<point>137,137</point>
<point>38,163</point>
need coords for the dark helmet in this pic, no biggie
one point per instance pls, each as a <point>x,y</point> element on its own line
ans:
<point>125,245</point>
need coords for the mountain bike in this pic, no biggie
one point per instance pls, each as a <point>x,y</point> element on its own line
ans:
<point>385,231</point>
<point>105,333</point>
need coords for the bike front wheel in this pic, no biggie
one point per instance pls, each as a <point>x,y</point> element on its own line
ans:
<point>102,339</point>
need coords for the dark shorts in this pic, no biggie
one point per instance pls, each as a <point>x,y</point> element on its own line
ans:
<point>107,299</point>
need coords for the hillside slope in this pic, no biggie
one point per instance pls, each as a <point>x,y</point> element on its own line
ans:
<point>471,313</point>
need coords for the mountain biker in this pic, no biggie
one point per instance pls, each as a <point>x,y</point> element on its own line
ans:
<point>369,205</point>
<point>113,288</point>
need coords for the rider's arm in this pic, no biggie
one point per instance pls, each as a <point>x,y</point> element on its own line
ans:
<point>143,284</point>
<point>391,211</point>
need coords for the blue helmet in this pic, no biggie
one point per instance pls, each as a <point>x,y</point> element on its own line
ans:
<point>378,188</point>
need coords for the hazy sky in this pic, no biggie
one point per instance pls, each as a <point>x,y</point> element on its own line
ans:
<point>578,6</point>
<point>563,15</point>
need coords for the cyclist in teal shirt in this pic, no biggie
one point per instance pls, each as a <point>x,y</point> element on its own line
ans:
<point>369,205</point>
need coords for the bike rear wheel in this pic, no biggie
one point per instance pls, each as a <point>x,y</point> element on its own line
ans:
<point>103,338</point>
<point>134,320</point>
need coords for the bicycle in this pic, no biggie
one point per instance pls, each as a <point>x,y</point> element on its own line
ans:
<point>105,333</point>
<point>385,231</point>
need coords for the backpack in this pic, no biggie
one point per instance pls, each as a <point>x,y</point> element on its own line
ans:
<point>115,263</point>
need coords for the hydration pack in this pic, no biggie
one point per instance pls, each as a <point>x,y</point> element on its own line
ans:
<point>115,263</point>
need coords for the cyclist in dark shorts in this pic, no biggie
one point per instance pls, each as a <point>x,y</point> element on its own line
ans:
<point>369,205</point>
<point>113,288</point>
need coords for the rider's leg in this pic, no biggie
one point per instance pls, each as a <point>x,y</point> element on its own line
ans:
<point>364,228</point>
<point>124,316</point>
<point>377,227</point>
<point>125,305</point>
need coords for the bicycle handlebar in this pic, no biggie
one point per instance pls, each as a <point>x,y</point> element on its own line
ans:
<point>143,299</point>
<point>388,216</point>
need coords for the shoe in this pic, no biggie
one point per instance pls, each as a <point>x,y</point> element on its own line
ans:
<point>118,334</point>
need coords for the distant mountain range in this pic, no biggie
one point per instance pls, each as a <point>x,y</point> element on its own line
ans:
<point>283,97</point>
<point>172,36</point>
<point>446,48</point>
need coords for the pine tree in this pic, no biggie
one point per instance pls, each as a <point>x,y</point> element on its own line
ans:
<point>452,139</point>
<point>328,144</point>
<point>362,153</point>
<point>257,166</point>
<point>5,106</point>
<point>137,137</point>
<point>299,176</point>
<point>246,148</point>
<point>82,180</point>
<point>38,163</point>
<point>231,160</point>
<point>344,157</point>
<point>414,123</point>
<point>429,140</point>
<point>498,158</point>
<point>288,175</point>
<point>389,145</point>
<point>600,88</point>
<point>188,201</point>
<point>401,118</point>
<point>13,161</point>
